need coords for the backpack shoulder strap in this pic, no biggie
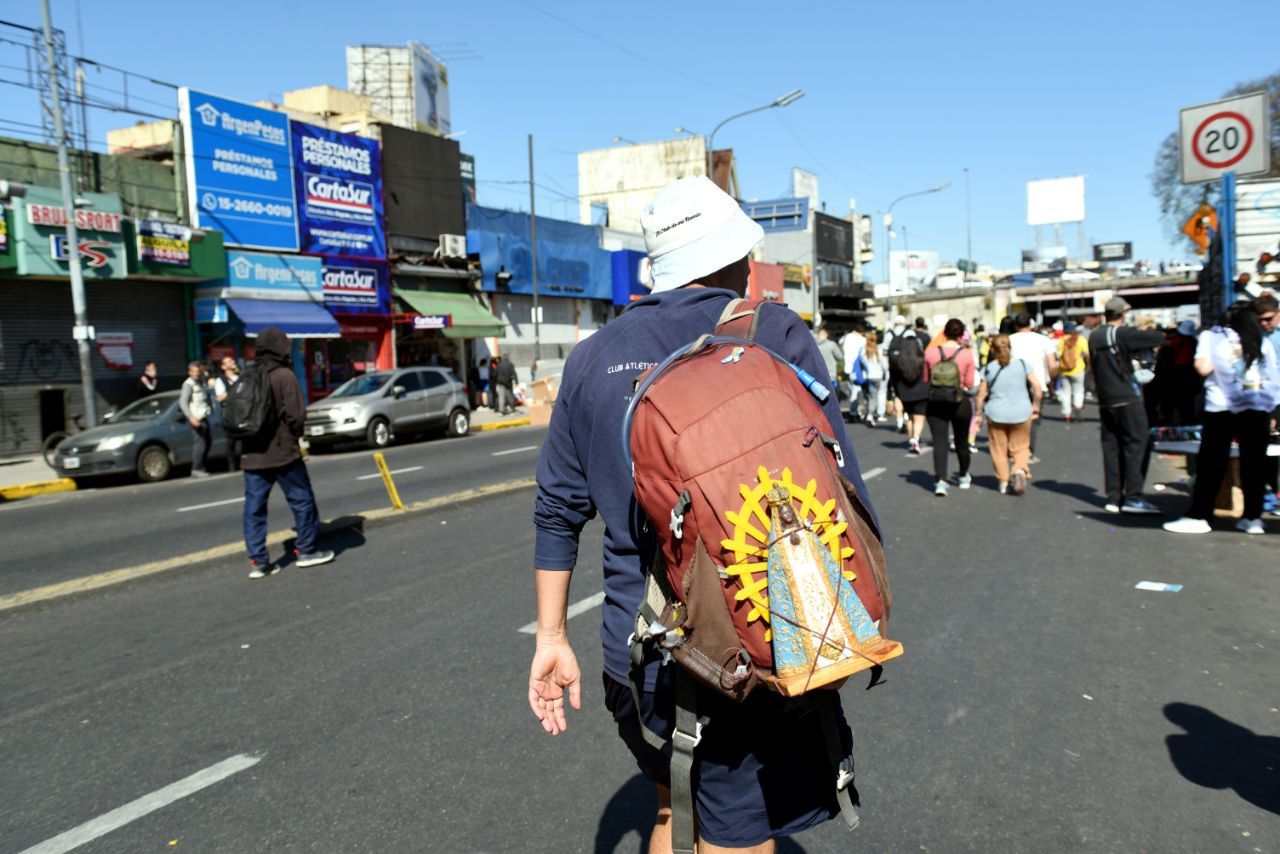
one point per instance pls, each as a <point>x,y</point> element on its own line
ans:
<point>739,319</point>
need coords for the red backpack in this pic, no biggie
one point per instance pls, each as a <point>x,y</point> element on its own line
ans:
<point>717,434</point>
<point>768,571</point>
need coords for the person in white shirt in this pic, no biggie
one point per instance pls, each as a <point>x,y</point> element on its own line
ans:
<point>1241,388</point>
<point>854,347</point>
<point>1041,353</point>
<point>221,388</point>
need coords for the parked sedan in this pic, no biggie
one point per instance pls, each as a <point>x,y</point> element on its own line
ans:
<point>148,437</point>
<point>377,407</point>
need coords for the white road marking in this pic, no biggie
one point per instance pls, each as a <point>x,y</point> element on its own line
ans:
<point>514,451</point>
<point>574,610</point>
<point>119,817</point>
<point>210,504</point>
<point>393,471</point>
<point>875,472</point>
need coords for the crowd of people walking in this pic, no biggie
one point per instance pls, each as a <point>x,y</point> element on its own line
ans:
<point>1219,383</point>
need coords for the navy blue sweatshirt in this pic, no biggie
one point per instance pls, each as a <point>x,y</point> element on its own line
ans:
<point>582,469</point>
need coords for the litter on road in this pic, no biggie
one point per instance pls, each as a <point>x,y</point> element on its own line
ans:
<point>1158,586</point>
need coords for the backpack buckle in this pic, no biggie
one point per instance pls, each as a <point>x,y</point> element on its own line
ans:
<point>685,741</point>
<point>735,356</point>
<point>677,514</point>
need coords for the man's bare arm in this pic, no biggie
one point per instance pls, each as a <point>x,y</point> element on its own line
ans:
<point>554,667</point>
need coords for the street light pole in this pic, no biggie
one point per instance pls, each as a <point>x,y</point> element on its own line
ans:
<point>888,220</point>
<point>789,98</point>
<point>533,245</point>
<point>968,226</point>
<point>82,331</point>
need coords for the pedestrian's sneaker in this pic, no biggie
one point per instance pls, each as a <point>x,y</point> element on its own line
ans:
<point>1002,488</point>
<point>902,426</point>
<point>964,481</point>
<point>199,473</point>
<point>913,448</point>
<point>262,570</point>
<point>1140,506</point>
<point>1187,525</point>
<point>940,488</point>
<point>1033,460</point>
<point>1019,482</point>
<point>1251,526</point>
<point>313,558</point>
<point>1112,508</point>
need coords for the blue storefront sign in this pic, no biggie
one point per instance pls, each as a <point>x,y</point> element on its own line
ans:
<point>239,171</point>
<point>632,276</point>
<point>262,275</point>
<point>338,179</point>
<point>570,260</point>
<point>357,287</point>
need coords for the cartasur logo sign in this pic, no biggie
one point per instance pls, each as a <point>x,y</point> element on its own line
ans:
<point>339,192</point>
<point>357,287</point>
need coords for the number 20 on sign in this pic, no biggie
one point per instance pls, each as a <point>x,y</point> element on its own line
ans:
<point>1225,136</point>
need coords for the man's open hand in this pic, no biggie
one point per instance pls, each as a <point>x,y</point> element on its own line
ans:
<point>554,668</point>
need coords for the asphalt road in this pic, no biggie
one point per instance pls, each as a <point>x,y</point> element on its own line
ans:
<point>1044,703</point>
<point>72,534</point>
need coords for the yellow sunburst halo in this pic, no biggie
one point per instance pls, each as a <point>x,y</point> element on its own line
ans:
<point>749,547</point>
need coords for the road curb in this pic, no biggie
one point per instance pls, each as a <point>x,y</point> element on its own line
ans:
<point>38,487</point>
<point>119,576</point>
<point>501,425</point>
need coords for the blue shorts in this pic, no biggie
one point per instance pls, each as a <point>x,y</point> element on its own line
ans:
<point>762,770</point>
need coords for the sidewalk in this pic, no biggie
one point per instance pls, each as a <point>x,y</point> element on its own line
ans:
<point>487,419</point>
<point>24,470</point>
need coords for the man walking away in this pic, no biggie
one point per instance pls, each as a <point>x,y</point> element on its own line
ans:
<point>1124,419</point>
<point>506,382</point>
<point>832,358</point>
<point>1041,353</point>
<point>196,408</point>
<point>759,774</point>
<point>221,388</point>
<point>1073,364</point>
<point>272,457</point>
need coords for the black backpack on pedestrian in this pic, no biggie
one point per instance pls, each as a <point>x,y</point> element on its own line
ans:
<point>247,410</point>
<point>907,358</point>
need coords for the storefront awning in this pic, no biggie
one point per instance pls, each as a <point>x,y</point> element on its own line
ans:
<point>467,317</point>
<point>296,319</point>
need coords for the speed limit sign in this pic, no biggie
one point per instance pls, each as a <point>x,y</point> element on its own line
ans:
<point>1225,136</point>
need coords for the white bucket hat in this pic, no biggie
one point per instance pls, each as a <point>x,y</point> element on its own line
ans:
<point>693,228</point>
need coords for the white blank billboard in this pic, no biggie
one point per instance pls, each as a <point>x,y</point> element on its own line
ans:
<point>1055,200</point>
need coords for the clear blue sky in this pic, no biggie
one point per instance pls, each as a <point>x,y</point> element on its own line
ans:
<point>900,96</point>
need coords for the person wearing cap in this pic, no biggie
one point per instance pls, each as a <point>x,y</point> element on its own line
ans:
<point>1073,364</point>
<point>748,791</point>
<point>1123,417</point>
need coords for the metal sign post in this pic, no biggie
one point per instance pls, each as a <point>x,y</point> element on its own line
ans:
<point>1227,229</point>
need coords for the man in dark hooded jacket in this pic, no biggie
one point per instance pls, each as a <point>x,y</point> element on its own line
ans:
<point>272,457</point>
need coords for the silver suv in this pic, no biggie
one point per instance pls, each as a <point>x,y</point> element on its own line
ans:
<point>376,407</point>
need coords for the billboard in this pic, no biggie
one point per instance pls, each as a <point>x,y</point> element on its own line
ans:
<point>1257,227</point>
<point>430,91</point>
<point>911,271</point>
<point>834,238</point>
<point>1044,259</point>
<point>338,181</point>
<point>467,168</point>
<point>356,286</point>
<point>1113,251</point>
<point>1055,200</point>
<point>422,175</point>
<point>239,171</point>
